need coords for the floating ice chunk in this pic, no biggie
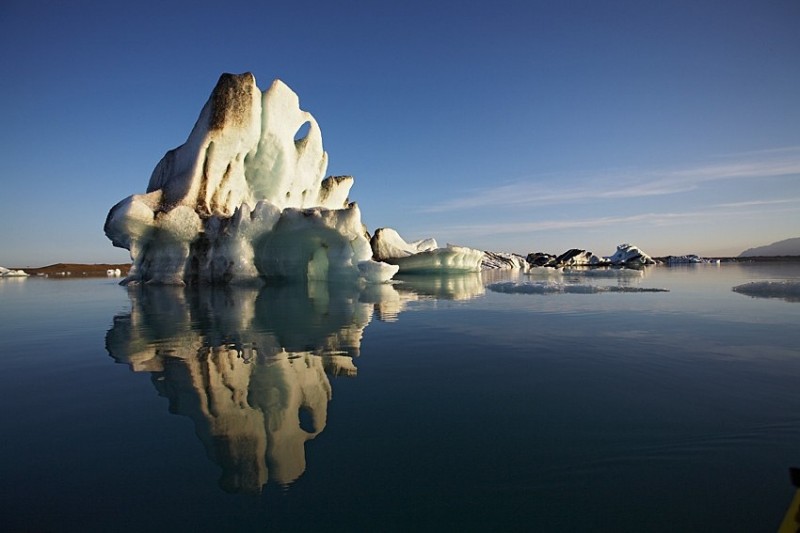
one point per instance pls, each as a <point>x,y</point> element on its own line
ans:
<point>511,287</point>
<point>690,259</point>
<point>788,290</point>
<point>386,243</point>
<point>8,273</point>
<point>504,261</point>
<point>376,271</point>
<point>541,259</point>
<point>628,254</point>
<point>577,257</point>
<point>423,256</point>
<point>449,259</point>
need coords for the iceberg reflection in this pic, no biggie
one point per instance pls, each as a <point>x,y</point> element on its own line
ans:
<point>250,365</point>
<point>462,286</point>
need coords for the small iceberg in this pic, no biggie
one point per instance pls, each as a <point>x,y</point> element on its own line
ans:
<point>628,254</point>
<point>504,261</point>
<point>788,290</point>
<point>423,256</point>
<point>690,259</point>
<point>8,273</point>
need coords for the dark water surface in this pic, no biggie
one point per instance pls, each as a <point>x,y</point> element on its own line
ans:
<point>435,404</point>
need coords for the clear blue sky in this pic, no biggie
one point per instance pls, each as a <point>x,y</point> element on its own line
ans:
<point>516,126</point>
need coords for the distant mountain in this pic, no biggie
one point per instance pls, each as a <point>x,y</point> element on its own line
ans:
<point>785,247</point>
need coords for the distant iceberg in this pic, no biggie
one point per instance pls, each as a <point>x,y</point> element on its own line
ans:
<point>244,198</point>
<point>627,255</point>
<point>8,273</point>
<point>689,259</point>
<point>504,261</point>
<point>630,255</point>
<point>787,290</point>
<point>578,257</point>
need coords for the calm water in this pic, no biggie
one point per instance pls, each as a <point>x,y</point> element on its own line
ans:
<point>435,404</point>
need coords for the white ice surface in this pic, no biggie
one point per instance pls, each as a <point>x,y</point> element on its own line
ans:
<point>423,256</point>
<point>388,244</point>
<point>630,254</point>
<point>8,273</point>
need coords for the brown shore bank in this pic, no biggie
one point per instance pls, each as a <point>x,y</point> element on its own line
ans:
<point>77,269</point>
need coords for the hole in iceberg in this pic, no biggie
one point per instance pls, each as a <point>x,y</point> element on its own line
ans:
<point>302,132</point>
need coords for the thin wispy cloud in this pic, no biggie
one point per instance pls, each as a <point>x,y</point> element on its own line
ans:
<point>720,211</point>
<point>759,202</point>
<point>763,151</point>
<point>546,190</point>
<point>550,225</point>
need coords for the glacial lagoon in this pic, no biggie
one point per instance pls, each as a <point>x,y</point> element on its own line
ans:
<point>485,402</point>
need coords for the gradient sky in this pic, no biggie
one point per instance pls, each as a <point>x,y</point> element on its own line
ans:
<point>510,126</point>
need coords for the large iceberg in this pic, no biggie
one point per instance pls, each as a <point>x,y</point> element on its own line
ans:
<point>245,198</point>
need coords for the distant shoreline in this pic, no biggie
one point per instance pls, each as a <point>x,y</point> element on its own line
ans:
<point>77,270</point>
<point>754,259</point>
<point>101,269</point>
